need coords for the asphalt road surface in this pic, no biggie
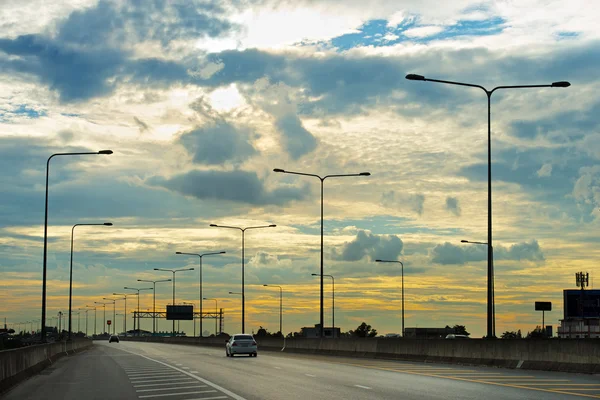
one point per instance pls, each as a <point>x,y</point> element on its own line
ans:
<point>156,371</point>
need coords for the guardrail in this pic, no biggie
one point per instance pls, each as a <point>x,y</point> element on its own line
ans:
<point>19,364</point>
<point>567,355</point>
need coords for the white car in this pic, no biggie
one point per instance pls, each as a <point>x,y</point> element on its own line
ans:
<point>241,344</point>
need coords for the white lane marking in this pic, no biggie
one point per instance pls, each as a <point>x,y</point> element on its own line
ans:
<point>153,375</point>
<point>175,394</point>
<point>194,372</point>
<point>186,382</point>
<point>277,367</point>
<point>222,389</point>
<point>161,380</point>
<point>170,388</point>
<point>209,398</point>
<point>312,376</point>
<point>363,387</point>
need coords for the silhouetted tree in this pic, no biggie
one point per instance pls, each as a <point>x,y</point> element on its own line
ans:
<point>509,335</point>
<point>459,330</point>
<point>537,333</point>
<point>363,330</point>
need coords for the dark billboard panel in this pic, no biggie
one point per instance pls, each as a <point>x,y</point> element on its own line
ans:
<point>573,300</point>
<point>178,313</point>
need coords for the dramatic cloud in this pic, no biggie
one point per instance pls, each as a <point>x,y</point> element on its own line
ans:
<point>237,186</point>
<point>452,205</point>
<point>402,200</point>
<point>387,247</point>
<point>297,140</point>
<point>448,253</point>
<point>219,142</point>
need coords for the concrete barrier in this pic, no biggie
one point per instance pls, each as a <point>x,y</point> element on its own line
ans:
<point>568,355</point>
<point>19,364</point>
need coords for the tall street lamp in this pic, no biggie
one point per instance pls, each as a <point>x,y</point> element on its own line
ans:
<point>243,272</point>
<point>216,311</point>
<point>104,306</point>
<point>139,331</point>
<point>71,267</point>
<point>322,179</point>
<point>114,322</point>
<point>332,304</point>
<point>200,257</point>
<point>124,297</point>
<point>490,248</point>
<point>173,271</point>
<point>562,84</point>
<point>402,264</point>
<point>86,319</point>
<point>280,308</point>
<point>95,318</point>
<point>44,267</point>
<point>154,300</point>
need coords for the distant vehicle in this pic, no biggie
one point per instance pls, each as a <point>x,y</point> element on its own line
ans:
<point>453,336</point>
<point>113,338</point>
<point>241,344</point>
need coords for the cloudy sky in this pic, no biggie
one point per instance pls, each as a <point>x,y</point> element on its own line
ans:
<point>200,100</point>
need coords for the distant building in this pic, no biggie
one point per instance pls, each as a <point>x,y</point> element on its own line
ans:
<point>427,333</point>
<point>315,332</point>
<point>581,314</point>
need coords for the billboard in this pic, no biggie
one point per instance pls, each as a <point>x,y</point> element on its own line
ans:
<point>572,303</point>
<point>183,312</point>
<point>543,306</point>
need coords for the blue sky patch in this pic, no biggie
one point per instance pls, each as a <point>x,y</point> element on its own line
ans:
<point>378,33</point>
<point>23,109</point>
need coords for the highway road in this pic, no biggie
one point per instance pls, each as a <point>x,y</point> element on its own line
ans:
<point>156,371</point>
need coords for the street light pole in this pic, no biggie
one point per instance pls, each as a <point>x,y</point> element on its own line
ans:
<point>86,319</point>
<point>200,257</point>
<point>322,179</point>
<point>95,319</point>
<point>104,306</point>
<point>173,271</point>
<point>44,266</point>
<point>71,268</point>
<point>563,84</point>
<point>154,300</point>
<point>243,230</point>
<point>114,322</point>
<point>402,264</point>
<point>124,297</point>
<point>138,308</point>
<point>215,314</point>
<point>332,303</point>
<point>280,308</point>
<point>490,248</point>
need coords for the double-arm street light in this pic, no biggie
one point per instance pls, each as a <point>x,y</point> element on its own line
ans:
<point>154,300</point>
<point>402,264</point>
<point>124,297</point>
<point>71,267</point>
<point>114,322</point>
<point>322,179</point>
<point>86,319</point>
<point>104,306</point>
<point>215,300</point>
<point>95,318</point>
<point>238,294</point>
<point>173,271</point>
<point>332,303</point>
<point>44,264</point>
<point>138,307</point>
<point>280,307</point>
<point>200,257</point>
<point>243,230</point>
<point>490,249</point>
<point>562,84</point>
